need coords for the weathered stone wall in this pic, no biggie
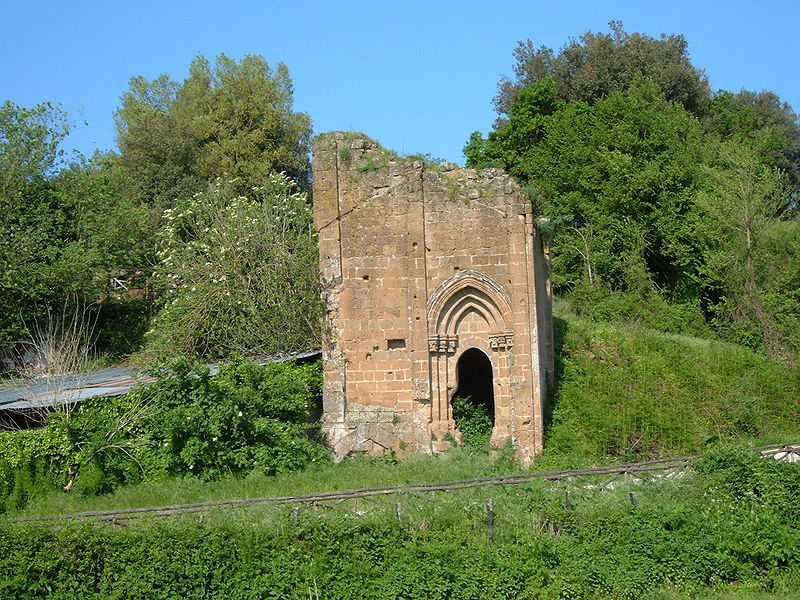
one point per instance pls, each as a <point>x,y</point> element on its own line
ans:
<point>419,264</point>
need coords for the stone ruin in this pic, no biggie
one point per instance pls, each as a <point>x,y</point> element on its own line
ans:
<point>436,284</point>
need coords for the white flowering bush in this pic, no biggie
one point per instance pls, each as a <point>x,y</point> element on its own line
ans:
<point>237,273</point>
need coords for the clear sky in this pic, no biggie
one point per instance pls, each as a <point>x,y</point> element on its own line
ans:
<point>418,76</point>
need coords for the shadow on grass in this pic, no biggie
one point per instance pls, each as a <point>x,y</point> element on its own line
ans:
<point>560,328</point>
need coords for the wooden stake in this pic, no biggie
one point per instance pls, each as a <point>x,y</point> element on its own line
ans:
<point>490,519</point>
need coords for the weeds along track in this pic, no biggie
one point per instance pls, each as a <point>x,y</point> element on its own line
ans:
<point>579,478</point>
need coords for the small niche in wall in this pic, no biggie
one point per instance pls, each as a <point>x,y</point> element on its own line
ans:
<point>395,344</point>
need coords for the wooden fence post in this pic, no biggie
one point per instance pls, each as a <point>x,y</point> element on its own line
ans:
<point>490,520</point>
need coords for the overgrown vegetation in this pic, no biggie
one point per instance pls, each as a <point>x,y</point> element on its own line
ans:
<point>670,203</point>
<point>622,394</point>
<point>247,418</point>
<point>625,393</point>
<point>672,213</point>
<point>65,234</point>
<point>87,233</point>
<point>728,531</point>
<point>473,421</point>
<point>237,274</point>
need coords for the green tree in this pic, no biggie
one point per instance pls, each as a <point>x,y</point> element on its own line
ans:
<point>761,118</point>
<point>157,151</point>
<point>41,260</point>
<point>509,144</point>
<point>743,199</point>
<point>596,64</point>
<point>616,178</point>
<point>232,119</point>
<point>620,144</point>
<point>38,257</point>
<point>29,140</point>
<point>63,233</point>
<point>113,226</point>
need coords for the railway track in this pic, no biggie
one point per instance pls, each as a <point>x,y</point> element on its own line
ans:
<point>789,452</point>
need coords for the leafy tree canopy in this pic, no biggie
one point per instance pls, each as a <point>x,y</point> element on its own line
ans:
<point>597,64</point>
<point>763,118</point>
<point>617,177</point>
<point>63,233</point>
<point>661,197</point>
<point>232,119</point>
<point>29,139</point>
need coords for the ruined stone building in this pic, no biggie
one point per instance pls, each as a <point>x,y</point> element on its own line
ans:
<point>435,285</point>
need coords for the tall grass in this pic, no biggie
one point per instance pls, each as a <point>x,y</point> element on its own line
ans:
<point>351,473</point>
<point>63,343</point>
<point>58,353</point>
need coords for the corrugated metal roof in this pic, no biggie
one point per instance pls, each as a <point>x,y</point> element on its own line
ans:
<point>50,392</point>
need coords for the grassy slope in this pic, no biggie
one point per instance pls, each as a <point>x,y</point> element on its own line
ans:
<point>626,394</point>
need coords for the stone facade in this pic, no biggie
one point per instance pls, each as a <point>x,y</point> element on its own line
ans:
<point>421,265</point>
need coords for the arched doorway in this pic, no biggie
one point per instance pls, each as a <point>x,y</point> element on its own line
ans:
<point>473,400</point>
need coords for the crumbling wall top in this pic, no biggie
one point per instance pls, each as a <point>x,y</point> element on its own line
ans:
<point>369,164</point>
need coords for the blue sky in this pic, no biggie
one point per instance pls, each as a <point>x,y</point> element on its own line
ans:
<point>417,76</point>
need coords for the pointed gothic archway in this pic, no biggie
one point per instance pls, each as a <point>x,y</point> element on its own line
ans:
<point>468,324</point>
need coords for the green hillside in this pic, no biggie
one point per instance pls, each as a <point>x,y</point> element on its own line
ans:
<point>625,393</point>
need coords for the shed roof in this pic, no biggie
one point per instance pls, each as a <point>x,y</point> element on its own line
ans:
<point>49,392</point>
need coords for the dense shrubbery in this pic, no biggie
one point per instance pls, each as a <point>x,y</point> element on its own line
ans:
<point>247,417</point>
<point>731,526</point>
<point>32,463</point>
<point>188,423</point>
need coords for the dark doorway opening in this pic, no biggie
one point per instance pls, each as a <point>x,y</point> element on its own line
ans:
<point>473,400</point>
